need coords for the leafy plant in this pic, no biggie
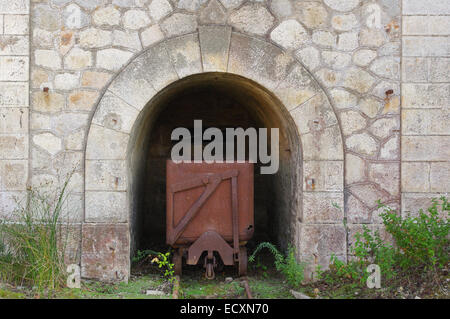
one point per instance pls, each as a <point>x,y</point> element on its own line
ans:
<point>420,244</point>
<point>163,261</point>
<point>345,270</point>
<point>319,273</point>
<point>421,241</point>
<point>370,248</point>
<point>292,270</point>
<point>261,266</point>
<point>287,265</point>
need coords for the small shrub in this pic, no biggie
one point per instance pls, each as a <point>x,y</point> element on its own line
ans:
<point>163,261</point>
<point>293,271</point>
<point>260,265</point>
<point>421,245</point>
<point>349,270</point>
<point>421,242</point>
<point>369,248</point>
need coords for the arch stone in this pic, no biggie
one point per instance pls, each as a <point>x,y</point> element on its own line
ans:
<point>106,237</point>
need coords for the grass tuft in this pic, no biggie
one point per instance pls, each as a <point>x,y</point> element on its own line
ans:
<point>32,247</point>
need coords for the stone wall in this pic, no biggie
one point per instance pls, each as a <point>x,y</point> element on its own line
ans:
<point>14,103</point>
<point>425,102</point>
<point>383,65</point>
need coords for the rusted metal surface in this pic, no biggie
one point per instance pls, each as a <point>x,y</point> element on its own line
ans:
<point>210,208</point>
<point>235,216</point>
<point>242,262</point>
<point>176,287</point>
<point>177,260</point>
<point>247,288</point>
<point>210,241</point>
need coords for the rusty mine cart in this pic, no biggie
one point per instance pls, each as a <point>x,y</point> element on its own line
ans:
<point>209,209</point>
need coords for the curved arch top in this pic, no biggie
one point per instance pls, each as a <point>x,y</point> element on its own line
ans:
<point>216,49</point>
<point>213,49</point>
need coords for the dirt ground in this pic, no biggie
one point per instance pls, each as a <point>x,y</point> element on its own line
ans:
<point>148,282</point>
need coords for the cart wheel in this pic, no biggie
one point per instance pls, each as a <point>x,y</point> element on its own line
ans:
<point>177,262</point>
<point>210,271</point>
<point>242,261</point>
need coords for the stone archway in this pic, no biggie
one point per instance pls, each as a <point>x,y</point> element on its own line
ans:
<point>111,142</point>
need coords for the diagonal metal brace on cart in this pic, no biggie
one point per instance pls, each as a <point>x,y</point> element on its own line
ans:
<point>209,241</point>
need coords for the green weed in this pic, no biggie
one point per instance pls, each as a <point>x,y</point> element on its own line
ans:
<point>32,247</point>
<point>292,270</point>
<point>421,247</point>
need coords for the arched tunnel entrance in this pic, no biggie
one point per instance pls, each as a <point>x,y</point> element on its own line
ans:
<point>166,87</point>
<point>220,100</point>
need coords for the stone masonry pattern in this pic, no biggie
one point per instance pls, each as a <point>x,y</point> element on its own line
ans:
<point>383,65</point>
